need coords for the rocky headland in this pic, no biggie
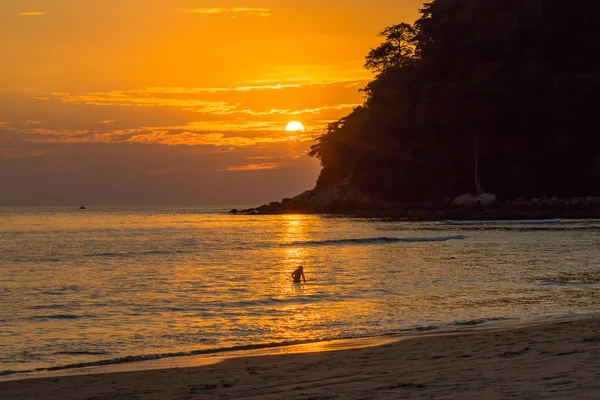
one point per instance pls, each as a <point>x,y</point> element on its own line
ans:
<point>473,97</point>
<point>347,199</point>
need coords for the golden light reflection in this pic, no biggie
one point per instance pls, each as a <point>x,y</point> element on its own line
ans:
<point>293,231</point>
<point>296,325</point>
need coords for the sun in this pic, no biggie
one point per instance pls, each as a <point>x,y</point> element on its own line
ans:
<point>294,126</point>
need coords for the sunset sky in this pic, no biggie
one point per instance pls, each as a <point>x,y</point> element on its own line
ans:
<point>176,101</point>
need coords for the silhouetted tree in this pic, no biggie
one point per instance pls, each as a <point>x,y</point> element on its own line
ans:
<point>397,51</point>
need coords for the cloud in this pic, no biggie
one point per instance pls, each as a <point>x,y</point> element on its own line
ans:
<point>58,135</point>
<point>233,126</point>
<point>31,14</point>
<point>316,110</point>
<point>205,10</point>
<point>189,138</point>
<point>218,101</point>
<point>164,91</point>
<point>254,167</point>
<point>192,134</point>
<point>258,12</point>
<point>249,116</point>
<point>16,153</point>
<point>141,98</point>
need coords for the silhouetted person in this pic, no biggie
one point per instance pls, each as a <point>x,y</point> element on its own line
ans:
<point>298,273</point>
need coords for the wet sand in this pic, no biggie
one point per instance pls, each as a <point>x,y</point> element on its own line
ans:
<point>558,359</point>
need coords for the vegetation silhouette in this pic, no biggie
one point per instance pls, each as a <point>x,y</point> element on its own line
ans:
<point>500,95</point>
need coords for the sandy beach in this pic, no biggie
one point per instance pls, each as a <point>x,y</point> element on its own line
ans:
<point>558,359</point>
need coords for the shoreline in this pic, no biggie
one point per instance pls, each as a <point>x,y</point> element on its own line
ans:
<point>194,358</point>
<point>192,361</point>
<point>214,355</point>
<point>366,362</point>
<point>432,212</point>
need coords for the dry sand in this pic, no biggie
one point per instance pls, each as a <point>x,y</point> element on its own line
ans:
<point>559,359</point>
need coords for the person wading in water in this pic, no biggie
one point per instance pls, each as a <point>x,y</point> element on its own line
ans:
<point>298,273</point>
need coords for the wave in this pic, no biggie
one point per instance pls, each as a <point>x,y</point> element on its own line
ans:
<point>479,321</point>
<point>374,241</point>
<point>47,306</point>
<point>261,346</point>
<point>133,253</point>
<point>56,316</point>
<point>149,357</point>
<point>504,222</point>
<point>25,259</point>
<point>62,290</point>
<point>247,304</point>
<point>527,228</point>
<point>552,282</point>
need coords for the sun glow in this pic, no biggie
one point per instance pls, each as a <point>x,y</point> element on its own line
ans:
<point>294,126</point>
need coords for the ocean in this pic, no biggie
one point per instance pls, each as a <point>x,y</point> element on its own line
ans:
<point>116,284</point>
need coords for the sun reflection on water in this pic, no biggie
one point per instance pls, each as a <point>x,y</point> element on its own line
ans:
<point>298,318</point>
<point>294,230</point>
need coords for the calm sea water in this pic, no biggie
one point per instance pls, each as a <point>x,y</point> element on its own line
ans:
<point>86,286</point>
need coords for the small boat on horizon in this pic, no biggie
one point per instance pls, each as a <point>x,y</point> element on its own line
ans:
<point>82,207</point>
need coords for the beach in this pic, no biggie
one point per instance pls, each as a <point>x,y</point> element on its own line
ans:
<point>550,359</point>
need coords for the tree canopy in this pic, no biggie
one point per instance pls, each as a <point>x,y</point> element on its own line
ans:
<point>504,88</point>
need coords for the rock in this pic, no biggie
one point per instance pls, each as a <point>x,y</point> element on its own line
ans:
<point>262,210</point>
<point>484,199</point>
<point>352,195</point>
<point>522,200</point>
<point>465,200</point>
<point>323,199</point>
<point>488,199</point>
<point>234,211</point>
<point>365,201</point>
<point>303,198</point>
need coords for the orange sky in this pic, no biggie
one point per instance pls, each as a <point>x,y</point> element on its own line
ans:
<point>175,101</point>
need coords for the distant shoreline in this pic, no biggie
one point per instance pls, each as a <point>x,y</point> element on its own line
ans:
<point>506,211</point>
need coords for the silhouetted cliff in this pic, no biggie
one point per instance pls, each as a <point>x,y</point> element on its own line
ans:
<point>497,95</point>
